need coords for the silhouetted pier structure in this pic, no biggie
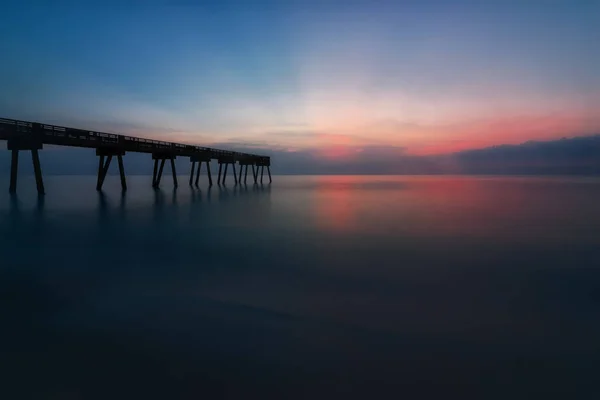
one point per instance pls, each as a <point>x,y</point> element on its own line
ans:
<point>32,136</point>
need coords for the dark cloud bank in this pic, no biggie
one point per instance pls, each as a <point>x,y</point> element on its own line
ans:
<point>579,156</point>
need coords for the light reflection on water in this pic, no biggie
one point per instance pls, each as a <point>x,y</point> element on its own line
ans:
<point>337,284</point>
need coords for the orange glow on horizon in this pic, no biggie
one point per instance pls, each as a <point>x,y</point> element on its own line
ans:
<point>338,136</point>
<point>444,139</point>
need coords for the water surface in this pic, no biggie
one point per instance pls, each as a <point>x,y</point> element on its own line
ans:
<point>312,287</point>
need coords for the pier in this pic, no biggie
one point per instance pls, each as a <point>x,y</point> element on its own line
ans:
<point>32,136</point>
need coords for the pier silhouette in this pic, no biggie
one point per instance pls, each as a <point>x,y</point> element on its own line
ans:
<point>32,136</point>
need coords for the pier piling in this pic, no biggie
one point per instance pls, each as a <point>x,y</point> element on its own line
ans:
<point>122,172</point>
<point>198,173</point>
<point>174,172</point>
<point>192,172</point>
<point>225,173</point>
<point>105,156</point>
<point>14,166</point>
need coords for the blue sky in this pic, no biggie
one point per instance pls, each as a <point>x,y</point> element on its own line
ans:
<point>332,77</point>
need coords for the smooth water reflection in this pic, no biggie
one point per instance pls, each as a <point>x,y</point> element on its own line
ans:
<point>310,287</point>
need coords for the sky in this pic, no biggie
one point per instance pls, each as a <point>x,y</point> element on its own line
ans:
<point>336,79</point>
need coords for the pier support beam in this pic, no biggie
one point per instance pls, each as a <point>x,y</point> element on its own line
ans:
<point>202,158</point>
<point>245,163</point>
<point>226,160</point>
<point>261,163</point>
<point>31,143</point>
<point>37,169</point>
<point>14,166</point>
<point>102,170</point>
<point>157,175</point>
<point>122,172</point>
<point>198,173</point>
<point>104,164</point>
<point>210,183</point>
<point>192,172</point>
<point>225,172</point>
<point>174,171</point>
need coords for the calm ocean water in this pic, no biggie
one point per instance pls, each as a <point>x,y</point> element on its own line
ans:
<point>312,287</point>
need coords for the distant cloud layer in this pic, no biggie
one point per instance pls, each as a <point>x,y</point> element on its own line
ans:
<point>566,156</point>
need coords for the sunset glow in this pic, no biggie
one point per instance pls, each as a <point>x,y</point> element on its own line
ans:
<point>424,78</point>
